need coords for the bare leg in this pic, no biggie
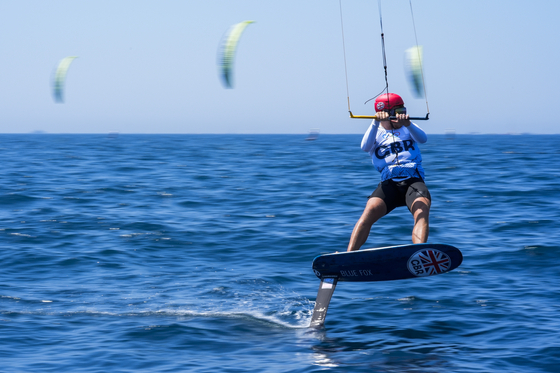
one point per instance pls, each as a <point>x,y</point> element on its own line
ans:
<point>375,209</point>
<point>421,212</point>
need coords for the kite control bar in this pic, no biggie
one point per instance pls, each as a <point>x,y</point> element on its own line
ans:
<point>375,117</point>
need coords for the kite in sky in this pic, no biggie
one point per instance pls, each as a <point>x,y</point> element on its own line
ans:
<point>227,52</point>
<point>60,78</point>
<point>413,69</point>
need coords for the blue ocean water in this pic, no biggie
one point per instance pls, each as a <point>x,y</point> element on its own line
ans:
<point>192,253</point>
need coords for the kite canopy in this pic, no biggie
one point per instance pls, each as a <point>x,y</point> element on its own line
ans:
<point>60,78</point>
<point>413,69</point>
<point>227,52</point>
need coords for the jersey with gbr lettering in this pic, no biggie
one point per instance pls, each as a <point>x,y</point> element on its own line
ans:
<point>396,155</point>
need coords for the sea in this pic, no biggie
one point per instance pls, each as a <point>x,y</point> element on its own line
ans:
<point>192,253</point>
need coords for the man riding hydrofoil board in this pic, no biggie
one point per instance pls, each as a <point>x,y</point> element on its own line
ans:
<point>392,142</point>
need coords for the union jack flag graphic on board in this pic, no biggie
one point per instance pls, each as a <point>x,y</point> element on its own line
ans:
<point>428,262</point>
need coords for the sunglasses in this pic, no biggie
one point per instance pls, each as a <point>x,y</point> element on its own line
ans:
<point>397,110</point>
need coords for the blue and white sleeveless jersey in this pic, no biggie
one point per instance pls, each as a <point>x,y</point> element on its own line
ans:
<point>395,153</point>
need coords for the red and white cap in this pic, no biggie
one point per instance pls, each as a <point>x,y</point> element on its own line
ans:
<point>387,101</point>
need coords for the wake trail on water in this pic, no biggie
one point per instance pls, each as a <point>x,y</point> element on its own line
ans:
<point>253,299</point>
<point>249,299</point>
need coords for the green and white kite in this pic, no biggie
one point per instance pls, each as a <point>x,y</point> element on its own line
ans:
<point>227,52</point>
<point>413,68</point>
<point>60,78</point>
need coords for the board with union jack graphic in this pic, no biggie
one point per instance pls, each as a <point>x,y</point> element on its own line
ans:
<point>388,263</point>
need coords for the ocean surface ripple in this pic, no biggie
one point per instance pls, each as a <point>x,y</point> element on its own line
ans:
<point>172,253</point>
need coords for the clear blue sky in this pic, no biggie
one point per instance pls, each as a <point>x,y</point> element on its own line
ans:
<point>150,66</point>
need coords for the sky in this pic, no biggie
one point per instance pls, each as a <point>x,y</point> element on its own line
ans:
<point>490,66</point>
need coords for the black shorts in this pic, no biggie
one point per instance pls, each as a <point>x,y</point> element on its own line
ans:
<point>401,193</point>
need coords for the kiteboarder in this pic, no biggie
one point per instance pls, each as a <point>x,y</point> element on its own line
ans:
<point>392,142</point>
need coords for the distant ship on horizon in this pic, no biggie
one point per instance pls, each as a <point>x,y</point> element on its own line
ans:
<point>313,134</point>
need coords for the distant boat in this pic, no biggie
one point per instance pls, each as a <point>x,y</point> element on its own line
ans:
<point>313,134</point>
<point>450,134</point>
